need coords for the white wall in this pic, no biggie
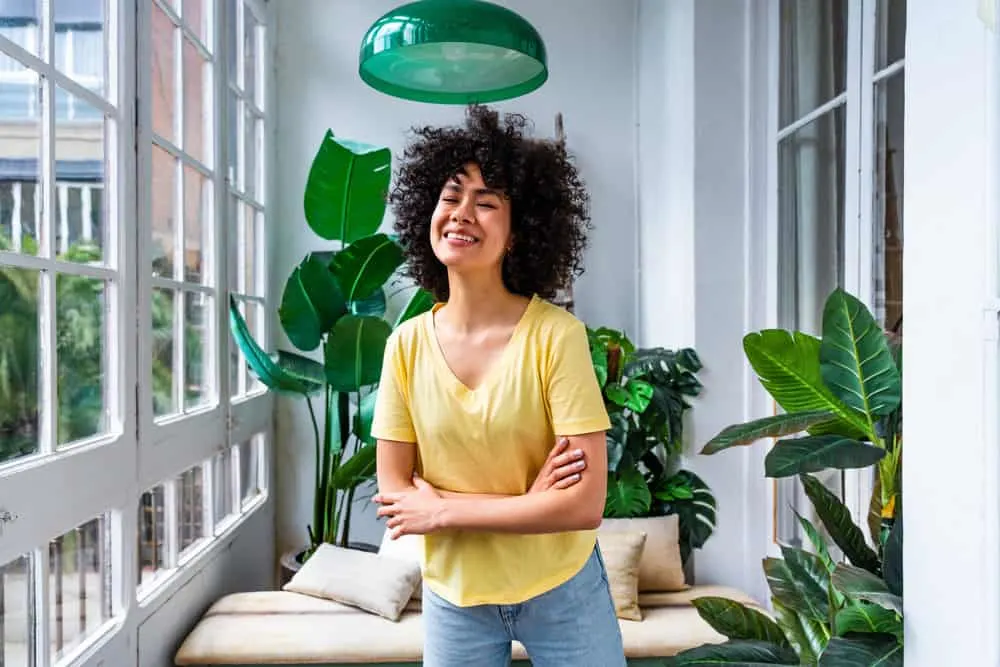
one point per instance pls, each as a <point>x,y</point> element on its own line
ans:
<point>591,47</point>
<point>699,251</point>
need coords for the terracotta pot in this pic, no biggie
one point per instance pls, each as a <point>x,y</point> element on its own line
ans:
<point>291,561</point>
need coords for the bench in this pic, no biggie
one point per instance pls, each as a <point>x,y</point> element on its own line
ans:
<point>282,628</point>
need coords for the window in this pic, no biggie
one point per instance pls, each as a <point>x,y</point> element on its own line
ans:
<point>104,214</point>
<point>839,150</point>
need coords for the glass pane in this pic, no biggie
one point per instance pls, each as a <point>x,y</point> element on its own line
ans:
<point>81,357</point>
<point>197,372</point>
<point>813,59</point>
<point>222,487</point>
<point>888,218</point>
<point>250,454</point>
<point>254,314</point>
<point>250,285</point>
<point>20,361</point>
<point>79,585</point>
<point>19,22</point>
<point>164,79</point>
<point>810,220</point>
<point>17,641</point>
<point>250,152</point>
<point>20,196</point>
<point>152,534</point>
<point>164,353</point>
<point>79,42</point>
<point>233,40</point>
<point>233,144</point>
<point>890,35</point>
<point>81,230</point>
<point>198,118</point>
<point>164,213</point>
<point>191,516</point>
<point>197,14</point>
<point>250,49</point>
<point>197,222</point>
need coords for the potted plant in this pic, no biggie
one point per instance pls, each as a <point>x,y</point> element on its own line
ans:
<point>336,300</point>
<point>645,393</point>
<point>844,393</point>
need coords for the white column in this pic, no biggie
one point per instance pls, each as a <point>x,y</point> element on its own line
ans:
<point>86,212</point>
<point>63,205</point>
<point>950,475</point>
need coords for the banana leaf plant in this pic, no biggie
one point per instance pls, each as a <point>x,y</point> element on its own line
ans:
<point>336,301</point>
<point>842,402</point>
<point>645,394</point>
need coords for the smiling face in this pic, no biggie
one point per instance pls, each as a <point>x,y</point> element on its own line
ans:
<point>470,227</point>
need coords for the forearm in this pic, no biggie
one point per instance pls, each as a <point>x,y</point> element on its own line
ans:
<point>552,511</point>
<point>455,495</point>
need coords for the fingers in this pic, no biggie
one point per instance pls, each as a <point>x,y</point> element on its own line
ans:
<point>387,510</point>
<point>567,482</point>
<point>561,445</point>
<point>420,483</point>
<point>568,470</point>
<point>568,458</point>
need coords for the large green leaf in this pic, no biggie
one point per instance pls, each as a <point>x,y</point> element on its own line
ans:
<point>870,651</point>
<point>301,367</point>
<point>892,554</point>
<point>598,357</point>
<point>837,520</point>
<point>615,439</point>
<point>817,541</point>
<point>737,621</point>
<point>373,305</point>
<point>807,636</point>
<point>356,469</point>
<point>634,395</point>
<point>364,416</point>
<point>787,364</point>
<point>855,359</point>
<point>419,303</point>
<point>696,516</point>
<point>810,572</point>
<point>776,426</point>
<point>860,584</point>
<point>864,617</point>
<point>365,265</point>
<point>310,304</point>
<point>800,593</point>
<point>346,190</point>
<point>272,375</point>
<point>628,495</point>
<point>354,351</point>
<point>735,653</point>
<point>818,452</point>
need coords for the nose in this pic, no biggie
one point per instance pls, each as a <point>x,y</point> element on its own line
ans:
<point>464,211</point>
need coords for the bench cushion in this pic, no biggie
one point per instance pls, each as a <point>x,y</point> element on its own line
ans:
<point>282,628</point>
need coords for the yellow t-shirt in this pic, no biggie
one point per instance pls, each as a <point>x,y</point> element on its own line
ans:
<point>493,439</point>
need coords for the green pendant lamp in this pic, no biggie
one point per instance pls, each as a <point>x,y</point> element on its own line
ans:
<point>453,52</point>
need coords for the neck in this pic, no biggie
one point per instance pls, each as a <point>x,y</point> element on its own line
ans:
<point>476,301</point>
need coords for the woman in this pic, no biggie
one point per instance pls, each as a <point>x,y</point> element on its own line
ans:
<point>474,393</point>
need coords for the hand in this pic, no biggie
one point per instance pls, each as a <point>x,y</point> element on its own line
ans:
<point>561,470</point>
<point>414,512</point>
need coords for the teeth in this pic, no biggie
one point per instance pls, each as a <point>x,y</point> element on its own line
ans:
<point>460,237</point>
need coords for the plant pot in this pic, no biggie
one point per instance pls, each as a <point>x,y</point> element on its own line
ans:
<point>291,561</point>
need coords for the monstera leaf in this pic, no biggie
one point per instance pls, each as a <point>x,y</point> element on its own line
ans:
<point>855,359</point>
<point>628,495</point>
<point>346,191</point>
<point>695,515</point>
<point>787,364</point>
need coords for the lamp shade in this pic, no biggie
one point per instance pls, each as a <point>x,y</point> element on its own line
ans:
<point>453,52</point>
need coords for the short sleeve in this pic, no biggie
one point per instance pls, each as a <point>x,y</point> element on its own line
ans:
<point>574,396</point>
<point>392,419</point>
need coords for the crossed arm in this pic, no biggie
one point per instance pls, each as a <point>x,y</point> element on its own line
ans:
<point>415,507</point>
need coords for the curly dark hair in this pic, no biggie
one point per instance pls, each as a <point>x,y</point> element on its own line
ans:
<point>549,205</point>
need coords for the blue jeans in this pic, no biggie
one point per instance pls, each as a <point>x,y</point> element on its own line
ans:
<point>573,625</point>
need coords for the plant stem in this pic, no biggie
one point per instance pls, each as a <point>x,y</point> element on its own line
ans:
<point>330,458</point>
<point>317,526</point>
<point>344,417</point>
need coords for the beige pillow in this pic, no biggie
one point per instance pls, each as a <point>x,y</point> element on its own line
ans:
<point>661,569</point>
<point>622,552</point>
<point>378,584</point>
<point>409,548</point>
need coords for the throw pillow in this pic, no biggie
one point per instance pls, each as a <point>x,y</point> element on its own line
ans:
<point>378,584</point>
<point>622,553</point>
<point>409,548</point>
<point>661,569</point>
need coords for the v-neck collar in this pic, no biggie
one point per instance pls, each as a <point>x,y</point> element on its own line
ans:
<point>496,367</point>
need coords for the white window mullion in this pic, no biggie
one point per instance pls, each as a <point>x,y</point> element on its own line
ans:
<point>47,306</point>
<point>62,202</point>
<point>43,611</point>
<point>86,213</point>
<point>16,230</point>
<point>171,514</point>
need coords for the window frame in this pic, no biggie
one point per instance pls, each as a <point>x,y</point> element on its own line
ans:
<point>858,100</point>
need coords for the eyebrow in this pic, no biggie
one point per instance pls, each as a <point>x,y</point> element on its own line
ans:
<point>455,186</point>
